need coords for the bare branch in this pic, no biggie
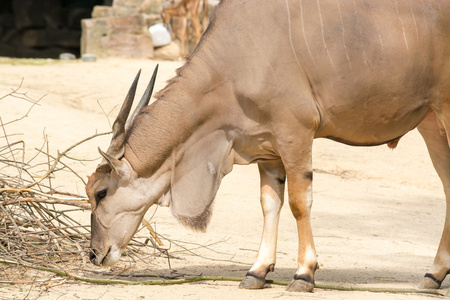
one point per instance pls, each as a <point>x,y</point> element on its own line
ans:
<point>80,204</point>
<point>57,160</point>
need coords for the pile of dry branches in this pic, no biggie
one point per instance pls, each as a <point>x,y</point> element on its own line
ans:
<point>39,224</point>
<point>33,228</point>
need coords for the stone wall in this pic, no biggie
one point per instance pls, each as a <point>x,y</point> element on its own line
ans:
<point>121,30</point>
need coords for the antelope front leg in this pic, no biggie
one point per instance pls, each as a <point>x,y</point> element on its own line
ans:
<point>273,179</point>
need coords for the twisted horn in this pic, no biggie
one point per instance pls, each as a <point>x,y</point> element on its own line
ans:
<point>145,98</point>
<point>115,149</point>
<point>121,124</point>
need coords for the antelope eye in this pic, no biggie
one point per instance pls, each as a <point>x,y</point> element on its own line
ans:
<point>100,195</point>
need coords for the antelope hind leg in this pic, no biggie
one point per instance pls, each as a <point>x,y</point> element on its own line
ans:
<point>299,177</point>
<point>439,150</point>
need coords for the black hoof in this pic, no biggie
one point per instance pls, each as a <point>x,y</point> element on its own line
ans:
<point>429,282</point>
<point>302,283</point>
<point>252,282</point>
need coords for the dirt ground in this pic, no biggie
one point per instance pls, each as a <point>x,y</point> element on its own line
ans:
<point>377,216</point>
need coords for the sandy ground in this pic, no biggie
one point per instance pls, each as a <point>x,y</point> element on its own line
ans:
<point>377,214</point>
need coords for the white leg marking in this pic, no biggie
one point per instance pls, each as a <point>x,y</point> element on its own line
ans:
<point>266,253</point>
<point>310,258</point>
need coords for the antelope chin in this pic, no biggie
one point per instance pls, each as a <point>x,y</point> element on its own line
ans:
<point>111,257</point>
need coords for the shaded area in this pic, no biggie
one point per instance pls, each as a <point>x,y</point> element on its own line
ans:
<point>43,28</point>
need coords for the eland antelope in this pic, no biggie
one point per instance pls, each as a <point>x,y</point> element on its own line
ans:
<point>263,83</point>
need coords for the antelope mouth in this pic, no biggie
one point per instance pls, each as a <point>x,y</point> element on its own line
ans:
<point>108,259</point>
<point>104,259</point>
<point>96,257</point>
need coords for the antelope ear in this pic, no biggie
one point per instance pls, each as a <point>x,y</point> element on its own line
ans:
<point>118,167</point>
<point>200,167</point>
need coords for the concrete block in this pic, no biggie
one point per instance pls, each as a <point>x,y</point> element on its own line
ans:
<point>126,36</point>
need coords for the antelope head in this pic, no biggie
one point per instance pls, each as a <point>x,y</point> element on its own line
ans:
<point>159,157</point>
<point>115,191</point>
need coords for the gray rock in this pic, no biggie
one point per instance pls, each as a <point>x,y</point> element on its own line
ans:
<point>88,57</point>
<point>67,56</point>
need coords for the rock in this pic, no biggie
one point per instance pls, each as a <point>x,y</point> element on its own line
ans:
<point>67,56</point>
<point>117,36</point>
<point>88,57</point>
<point>169,52</point>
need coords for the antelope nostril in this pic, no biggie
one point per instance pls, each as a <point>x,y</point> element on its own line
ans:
<point>92,256</point>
